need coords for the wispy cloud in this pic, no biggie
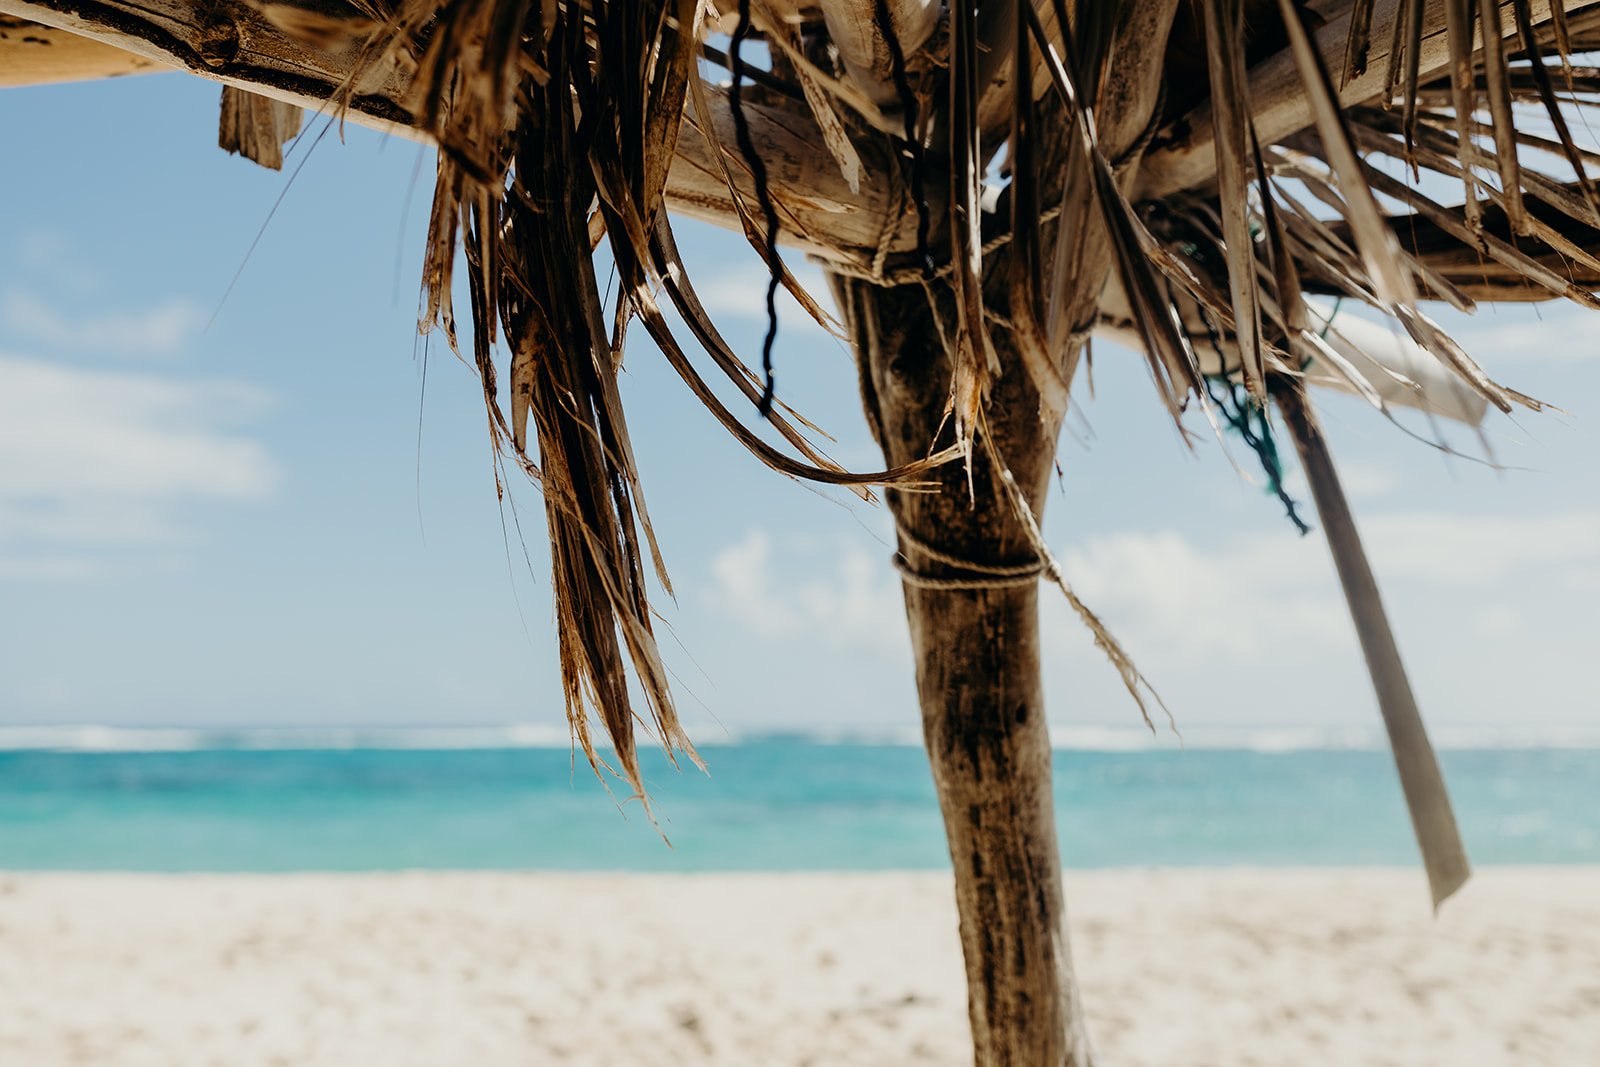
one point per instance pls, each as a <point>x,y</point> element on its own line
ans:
<point>48,259</point>
<point>1531,334</point>
<point>160,330</point>
<point>91,460</point>
<point>1472,550</point>
<point>1362,480</point>
<point>1270,595</point>
<point>35,567</point>
<point>742,295</point>
<point>843,599</point>
<point>1239,602</point>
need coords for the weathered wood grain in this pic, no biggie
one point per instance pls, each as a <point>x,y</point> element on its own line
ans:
<point>1476,275</point>
<point>1184,154</point>
<point>31,54</point>
<point>978,683</point>
<point>853,28</point>
<point>977,650</point>
<point>232,42</point>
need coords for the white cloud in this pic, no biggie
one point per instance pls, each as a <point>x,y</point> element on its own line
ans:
<point>742,294</point>
<point>1468,550</point>
<point>1361,481</point>
<point>24,567</point>
<point>1516,335</point>
<point>1172,601</point>
<point>853,600</point>
<point>94,459</point>
<point>1266,595</point>
<point>160,330</point>
<point>1259,597</point>
<point>1500,620</point>
<point>734,294</point>
<point>47,255</point>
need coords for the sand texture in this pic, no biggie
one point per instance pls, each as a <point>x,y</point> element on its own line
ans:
<point>1181,969</point>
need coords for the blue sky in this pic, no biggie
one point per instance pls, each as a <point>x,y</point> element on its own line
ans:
<point>270,521</point>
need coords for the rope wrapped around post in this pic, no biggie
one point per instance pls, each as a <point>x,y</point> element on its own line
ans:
<point>981,576</point>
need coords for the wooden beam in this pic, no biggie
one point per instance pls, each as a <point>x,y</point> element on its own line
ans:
<point>233,42</point>
<point>31,54</point>
<point>820,213</point>
<point>1476,275</point>
<point>863,48</point>
<point>1184,155</point>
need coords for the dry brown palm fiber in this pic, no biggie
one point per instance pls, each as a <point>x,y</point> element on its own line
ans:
<point>1170,357</point>
<point>256,127</point>
<point>1375,241</point>
<point>593,131</point>
<point>834,135</point>
<point>910,114</point>
<point>752,231</point>
<point>1527,228</point>
<point>483,68</point>
<point>668,266</point>
<point>1459,18</point>
<point>1230,107</point>
<point>1541,78</point>
<point>1359,41</point>
<point>973,360</point>
<point>1286,277</point>
<point>1026,261</point>
<point>589,486</point>
<point>1495,247</point>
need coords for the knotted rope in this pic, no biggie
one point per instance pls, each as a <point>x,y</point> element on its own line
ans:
<point>980,575</point>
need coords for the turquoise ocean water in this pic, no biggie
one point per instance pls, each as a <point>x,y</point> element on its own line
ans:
<point>340,801</point>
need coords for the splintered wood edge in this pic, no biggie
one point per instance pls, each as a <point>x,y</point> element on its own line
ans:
<point>235,44</point>
<point>34,54</point>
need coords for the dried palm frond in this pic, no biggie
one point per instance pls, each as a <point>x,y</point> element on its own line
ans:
<point>1152,316</point>
<point>557,125</point>
<point>1235,136</point>
<point>256,127</point>
<point>974,360</point>
<point>1328,131</point>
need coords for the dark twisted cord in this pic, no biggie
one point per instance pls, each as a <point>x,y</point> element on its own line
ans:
<point>1235,404</point>
<point>908,106</point>
<point>758,172</point>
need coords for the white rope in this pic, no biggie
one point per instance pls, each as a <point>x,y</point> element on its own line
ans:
<point>982,575</point>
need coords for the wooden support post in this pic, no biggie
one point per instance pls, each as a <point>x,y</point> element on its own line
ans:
<point>1443,854</point>
<point>977,661</point>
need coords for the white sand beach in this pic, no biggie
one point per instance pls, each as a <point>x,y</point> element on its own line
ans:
<point>1181,968</point>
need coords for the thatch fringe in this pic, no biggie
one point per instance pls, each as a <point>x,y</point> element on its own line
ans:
<point>547,150</point>
<point>557,122</point>
<point>256,127</point>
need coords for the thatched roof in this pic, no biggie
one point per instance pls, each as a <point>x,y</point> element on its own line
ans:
<point>1204,164</point>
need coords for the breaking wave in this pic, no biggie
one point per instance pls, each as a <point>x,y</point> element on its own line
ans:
<point>101,738</point>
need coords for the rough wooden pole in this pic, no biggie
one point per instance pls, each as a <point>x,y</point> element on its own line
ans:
<point>977,649</point>
<point>977,660</point>
<point>1443,854</point>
